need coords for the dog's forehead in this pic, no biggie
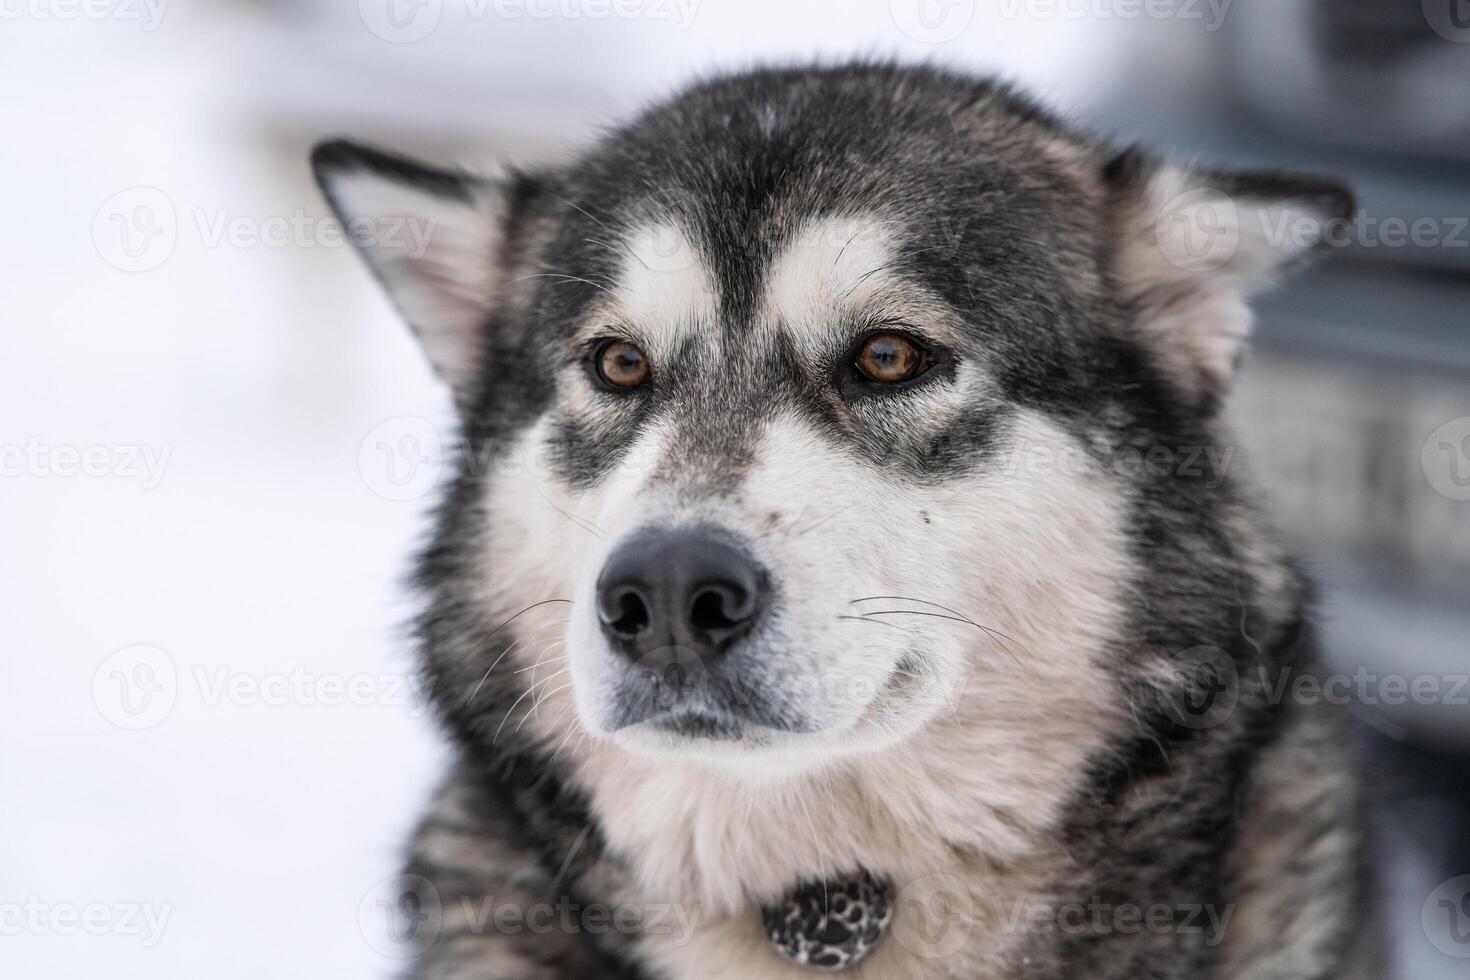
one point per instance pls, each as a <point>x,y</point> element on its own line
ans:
<point>825,272</point>
<point>829,270</point>
<point>663,288</point>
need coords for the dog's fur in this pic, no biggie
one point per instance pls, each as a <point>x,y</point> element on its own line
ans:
<point>1022,737</point>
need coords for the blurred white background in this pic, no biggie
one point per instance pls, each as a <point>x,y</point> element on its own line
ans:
<point>212,744</point>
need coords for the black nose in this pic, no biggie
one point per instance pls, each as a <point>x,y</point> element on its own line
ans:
<point>687,590</point>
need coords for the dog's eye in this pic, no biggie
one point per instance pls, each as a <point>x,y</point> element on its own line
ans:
<point>891,358</point>
<point>620,364</point>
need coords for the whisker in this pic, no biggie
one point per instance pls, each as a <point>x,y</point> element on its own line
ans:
<point>926,602</point>
<point>995,634</point>
<point>522,670</point>
<point>816,843</point>
<point>491,634</point>
<point>745,823</point>
<point>537,702</point>
<point>550,645</point>
<point>581,522</point>
<point>512,707</point>
<point>573,730</point>
<point>563,200</point>
<point>818,523</point>
<point>506,652</point>
<point>619,249</point>
<point>555,275</point>
<point>889,265</point>
<point>875,622</point>
<point>843,250</point>
<point>509,711</point>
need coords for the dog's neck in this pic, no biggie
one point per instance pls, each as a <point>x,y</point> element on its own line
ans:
<point>960,796</point>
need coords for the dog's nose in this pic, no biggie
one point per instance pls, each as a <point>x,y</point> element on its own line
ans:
<point>666,592</point>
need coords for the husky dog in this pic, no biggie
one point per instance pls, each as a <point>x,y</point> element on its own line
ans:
<point>844,498</point>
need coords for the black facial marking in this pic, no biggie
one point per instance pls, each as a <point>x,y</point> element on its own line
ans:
<point>975,215</point>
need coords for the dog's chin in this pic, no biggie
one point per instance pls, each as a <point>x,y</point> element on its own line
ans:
<point>690,734</point>
<point>727,740</point>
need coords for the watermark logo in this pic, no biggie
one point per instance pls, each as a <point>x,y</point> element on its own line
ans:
<point>303,688</point>
<point>406,21</point>
<point>933,916</point>
<point>400,21</point>
<point>409,236</point>
<point>1446,459</point>
<point>680,13</point>
<point>401,916</point>
<point>1446,918</point>
<point>1450,19</point>
<point>932,21</point>
<point>402,459</point>
<point>1199,230</point>
<point>1210,13</point>
<point>660,245</point>
<point>1366,688</point>
<point>136,230</point>
<point>136,687</point>
<point>1095,917</point>
<point>139,687</point>
<point>1207,690</point>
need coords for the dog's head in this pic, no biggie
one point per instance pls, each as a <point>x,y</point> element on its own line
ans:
<point>811,399</point>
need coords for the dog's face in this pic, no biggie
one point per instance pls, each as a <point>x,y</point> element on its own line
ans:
<point>800,399</point>
<point>780,501</point>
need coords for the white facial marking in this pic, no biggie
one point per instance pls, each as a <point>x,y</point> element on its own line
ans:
<point>663,289</point>
<point>831,265</point>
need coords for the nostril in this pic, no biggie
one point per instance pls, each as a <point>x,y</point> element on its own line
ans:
<point>680,594</point>
<point>627,614</point>
<point>715,609</point>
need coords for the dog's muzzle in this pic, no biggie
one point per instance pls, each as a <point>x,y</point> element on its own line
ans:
<point>674,604</point>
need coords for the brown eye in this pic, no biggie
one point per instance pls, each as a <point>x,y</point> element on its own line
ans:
<point>621,364</point>
<point>889,358</point>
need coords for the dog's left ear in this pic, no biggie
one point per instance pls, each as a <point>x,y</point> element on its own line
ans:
<point>1194,245</point>
<point>433,237</point>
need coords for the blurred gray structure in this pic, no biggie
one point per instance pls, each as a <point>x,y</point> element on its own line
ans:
<point>1355,404</point>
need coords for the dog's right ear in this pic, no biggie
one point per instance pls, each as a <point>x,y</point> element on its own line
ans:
<point>432,237</point>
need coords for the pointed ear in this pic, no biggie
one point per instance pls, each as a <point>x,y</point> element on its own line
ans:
<point>432,237</point>
<point>1194,245</point>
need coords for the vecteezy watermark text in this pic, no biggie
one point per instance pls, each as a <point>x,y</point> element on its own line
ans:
<point>1209,686</point>
<point>403,915</point>
<point>138,229</point>
<point>407,21</point>
<point>34,458</point>
<point>38,917</point>
<point>139,686</point>
<point>148,14</point>
<point>1210,13</point>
